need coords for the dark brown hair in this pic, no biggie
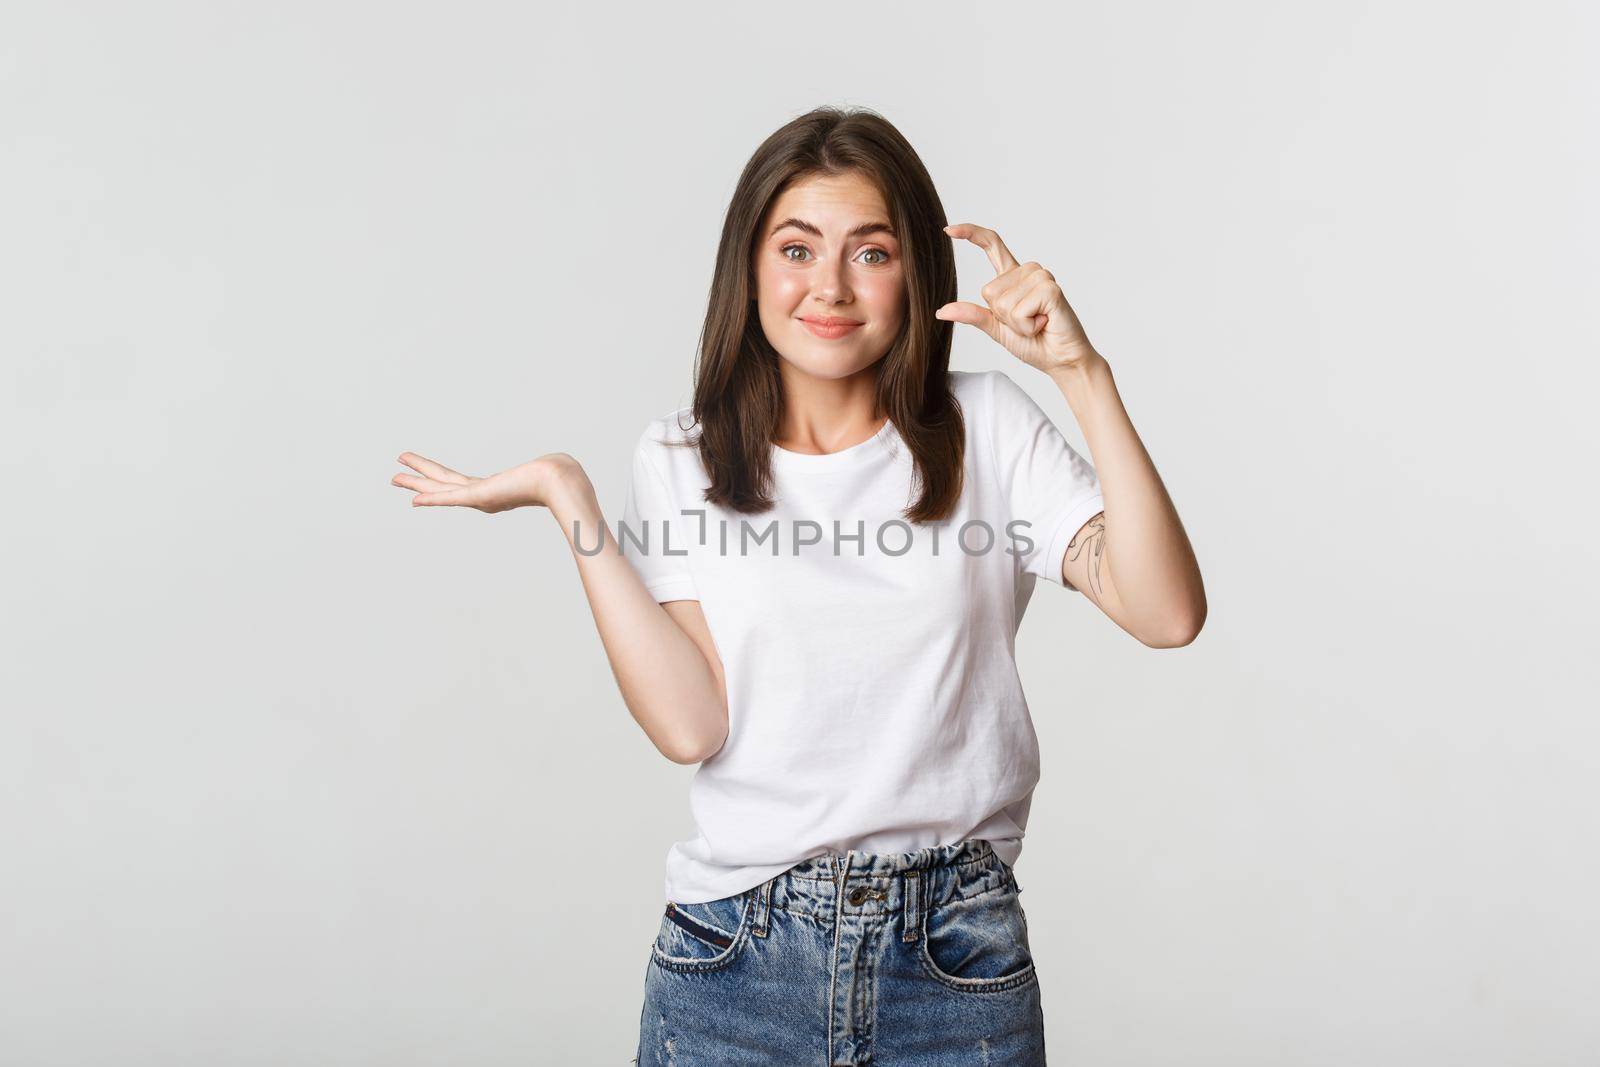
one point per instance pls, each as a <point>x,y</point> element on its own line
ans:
<point>738,392</point>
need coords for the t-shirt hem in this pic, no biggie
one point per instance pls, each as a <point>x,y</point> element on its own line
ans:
<point>665,589</point>
<point>726,885</point>
<point>1066,530</point>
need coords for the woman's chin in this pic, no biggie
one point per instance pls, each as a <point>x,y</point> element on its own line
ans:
<point>828,364</point>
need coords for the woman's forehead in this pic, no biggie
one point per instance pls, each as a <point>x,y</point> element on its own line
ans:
<point>840,200</point>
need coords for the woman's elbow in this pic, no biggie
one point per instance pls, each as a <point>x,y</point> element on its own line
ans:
<point>692,748</point>
<point>1180,629</point>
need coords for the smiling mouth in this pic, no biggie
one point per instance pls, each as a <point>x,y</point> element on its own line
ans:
<point>830,329</point>
<point>840,328</point>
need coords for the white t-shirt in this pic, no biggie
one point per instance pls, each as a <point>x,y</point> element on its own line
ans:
<point>873,698</point>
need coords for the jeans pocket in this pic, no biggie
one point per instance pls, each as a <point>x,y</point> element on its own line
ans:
<point>703,936</point>
<point>978,944</point>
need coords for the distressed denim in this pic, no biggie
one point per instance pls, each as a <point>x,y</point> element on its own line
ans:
<point>900,959</point>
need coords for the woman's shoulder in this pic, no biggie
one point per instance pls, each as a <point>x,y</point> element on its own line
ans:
<point>981,392</point>
<point>997,391</point>
<point>668,437</point>
<point>973,384</point>
<point>997,408</point>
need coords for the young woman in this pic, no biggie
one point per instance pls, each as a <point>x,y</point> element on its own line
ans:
<point>821,569</point>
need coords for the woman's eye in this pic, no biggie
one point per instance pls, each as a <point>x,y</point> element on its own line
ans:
<point>786,249</point>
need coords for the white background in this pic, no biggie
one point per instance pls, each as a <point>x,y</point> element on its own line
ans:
<point>293,773</point>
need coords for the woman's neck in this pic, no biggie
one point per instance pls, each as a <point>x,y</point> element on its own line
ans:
<point>823,415</point>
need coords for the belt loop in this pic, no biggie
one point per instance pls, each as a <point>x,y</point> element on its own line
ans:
<point>763,907</point>
<point>911,887</point>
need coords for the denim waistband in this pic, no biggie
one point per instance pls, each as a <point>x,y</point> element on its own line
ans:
<point>869,884</point>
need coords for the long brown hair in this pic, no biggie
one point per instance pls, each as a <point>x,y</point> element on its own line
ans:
<point>738,392</point>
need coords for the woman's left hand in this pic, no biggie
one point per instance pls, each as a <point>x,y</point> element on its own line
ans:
<point>1027,311</point>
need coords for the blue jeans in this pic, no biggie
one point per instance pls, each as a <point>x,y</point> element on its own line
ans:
<point>910,958</point>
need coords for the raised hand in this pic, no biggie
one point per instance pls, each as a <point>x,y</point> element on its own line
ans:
<point>527,484</point>
<point>1027,311</point>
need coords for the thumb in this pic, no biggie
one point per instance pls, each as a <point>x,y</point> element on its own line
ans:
<point>969,313</point>
<point>447,497</point>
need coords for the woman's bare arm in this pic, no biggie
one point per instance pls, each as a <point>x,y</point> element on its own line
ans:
<point>1133,559</point>
<point>667,670</point>
<point>674,690</point>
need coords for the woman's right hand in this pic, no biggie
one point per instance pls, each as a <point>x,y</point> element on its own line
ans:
<point>531,483</point>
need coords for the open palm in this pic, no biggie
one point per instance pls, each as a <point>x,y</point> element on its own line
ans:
<point>519,486</point>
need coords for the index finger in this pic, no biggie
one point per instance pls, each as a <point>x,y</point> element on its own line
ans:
<point>988,240</point>
<point>437,471</point>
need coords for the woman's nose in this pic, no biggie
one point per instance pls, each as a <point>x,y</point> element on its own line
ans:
<point>832,283</point>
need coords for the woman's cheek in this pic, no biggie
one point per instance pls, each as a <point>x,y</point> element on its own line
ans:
<point>883,295</point>
<point>782,291</point>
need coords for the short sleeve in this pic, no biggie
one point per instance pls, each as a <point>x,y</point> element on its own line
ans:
<point>1044,481</point>
<point>657,536</point>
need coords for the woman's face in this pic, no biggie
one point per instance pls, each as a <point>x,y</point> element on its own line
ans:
<point>826,251</point>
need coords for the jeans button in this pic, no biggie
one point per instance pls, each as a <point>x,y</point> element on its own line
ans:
<point>857,895</point>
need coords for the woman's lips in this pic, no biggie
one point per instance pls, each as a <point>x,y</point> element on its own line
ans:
<point>830,331</point>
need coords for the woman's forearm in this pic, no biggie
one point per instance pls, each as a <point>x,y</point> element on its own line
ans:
<point>665,680</point>
<point>1151,563</point>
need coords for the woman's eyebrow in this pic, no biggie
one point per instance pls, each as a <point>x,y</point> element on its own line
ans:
<point>860,231</point>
